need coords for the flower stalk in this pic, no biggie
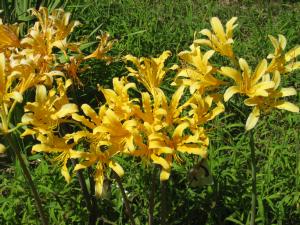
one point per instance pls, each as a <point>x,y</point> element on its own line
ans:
<point>28,178</point>
<point>151,197</point>
<point>253,174</point>
<point>125,199</point>
<point>163,212</point>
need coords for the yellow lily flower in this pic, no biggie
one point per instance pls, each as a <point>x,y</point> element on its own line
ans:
<point>103,48</point>
<point>118,99</point>
<point>170,145</point>
<point>121,134</point>
<point>198,74</point>
<point>280,61</point>
<point>8,94</point>
<point>247,82</point>
<point>219,40</point>
<point>273,100</point>
<point>54,144</point>
<point>150,71</point>
<point>201,108</point>
<point>48,110</point>
<point>9,37</point>
<point>101,160</point>
<point>50,31</point>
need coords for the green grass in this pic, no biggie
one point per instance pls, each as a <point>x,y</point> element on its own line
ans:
<point>146,28</point>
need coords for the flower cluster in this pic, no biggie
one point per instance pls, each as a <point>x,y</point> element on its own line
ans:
<point>35,61</point>
<point>138,118</point>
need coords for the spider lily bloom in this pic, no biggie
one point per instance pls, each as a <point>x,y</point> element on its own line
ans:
<point>121,133</point>
<point>53,144</point>
<point>170,144</point>
<point>246,82</point>
<point>150,71</point>
<point>201,108</point>
<point>101,157</point>
<point>50,31</point>
<point>103,48</point>
<point>48,110</point>
<point>219,40</point>
<point>118,98</point>
<point>8,94</point>
<point>9,36</point>
<point>163,131</point>
<point>273,100</point>
<point>280,61</point>
<point>31,71</point>
<point>197,74</point>
<point>72,69</point>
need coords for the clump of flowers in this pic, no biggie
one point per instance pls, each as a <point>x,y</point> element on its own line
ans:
<point>136,120</point>
<point>34,62</point>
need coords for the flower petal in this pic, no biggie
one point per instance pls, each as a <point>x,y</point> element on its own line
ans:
<point>232,73</point>
<point>2,148</point>
<point>230,92</point>
<point>117,168</point>
<point>164,175</point>
<point>252,118</point>
<point>288,106</point>
<point>218,28</point>
<point>65,110</point>
<point>288,91</point>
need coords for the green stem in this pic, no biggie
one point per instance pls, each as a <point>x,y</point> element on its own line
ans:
<point>253,173</point>
<point>29,179</point>
<point>83,186</point>
<point>95,209</point>
<point>151,197</point>
<point>126,201</point>
<point>163,213</point>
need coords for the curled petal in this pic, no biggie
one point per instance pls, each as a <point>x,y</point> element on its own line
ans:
<point>288,92</point>
<point>230,92</point>
<point>117,168</point>
<point>161,161</point>
<point>232,73</point>
<point>164,175</point>
<point>40,93</point>
<point>65,110</point>
<point>2,148</point>
<point>252,118</point>
<point>65,172</point>
<point>288,106</point>
<point>218,28</point>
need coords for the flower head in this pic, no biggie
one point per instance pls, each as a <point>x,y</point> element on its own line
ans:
<point>219,40</point>
<point>246,82</point>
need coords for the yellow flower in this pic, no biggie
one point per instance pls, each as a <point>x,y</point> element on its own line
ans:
<point>9,93</point>
<point>150,71</point>
<point>219,40</point>
<point>48,110</point>
<point>103,48</point>
<point>273,100</point>
<point>198,74</point>
<point>9,37</point>
<point>201,108</point>
<point>280,61</point>
<point>101,158</point>
<point>50,31</point>
<point>246,82</point>
<point>118,98</point>
<point>56,145</point>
